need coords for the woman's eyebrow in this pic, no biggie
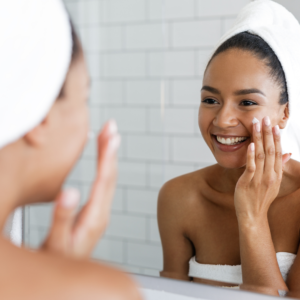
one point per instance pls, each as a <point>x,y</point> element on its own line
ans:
<point>210,89</point>
<point>237,93</point>
<point>248,91</point>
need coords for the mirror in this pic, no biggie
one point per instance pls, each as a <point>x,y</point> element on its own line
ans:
<point>146,60</point>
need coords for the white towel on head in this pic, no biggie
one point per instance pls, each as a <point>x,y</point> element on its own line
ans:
<point>280,29</point>
<point>35,53</point>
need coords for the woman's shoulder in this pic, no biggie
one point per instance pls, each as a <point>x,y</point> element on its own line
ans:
<point>25,274</point>
<point>185,189</point>
<point>291,177</point>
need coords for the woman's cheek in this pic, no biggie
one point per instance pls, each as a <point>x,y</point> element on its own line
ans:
<point>82,126</point>
<point>77,125</point>
<point>204,120</point>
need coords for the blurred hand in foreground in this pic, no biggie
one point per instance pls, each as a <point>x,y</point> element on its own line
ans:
<point>76,234</point>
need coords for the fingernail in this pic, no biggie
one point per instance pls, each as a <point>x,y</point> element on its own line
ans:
<point>267,121</point>
<point>115,142</point>
<point>277,131</point>
<point>113,128</point>
<point>290,154</point>
<point>70,198</point>
<point>252,147</point>
<point>254,121</point>
<point>257,127</point>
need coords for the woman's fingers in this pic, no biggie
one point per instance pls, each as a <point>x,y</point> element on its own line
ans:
<point>94,216</point>
<point>109,131</point>
<point>278,151</point>
<point>270,148</point>
<point>59,237</point>
<point>250,166</point>
<point>259,150</point>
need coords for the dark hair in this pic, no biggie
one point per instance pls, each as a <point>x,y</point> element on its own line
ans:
<point>259,48</point>
<point>76,49</point>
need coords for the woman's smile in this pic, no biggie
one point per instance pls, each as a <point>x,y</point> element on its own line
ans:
<point>229,143</point>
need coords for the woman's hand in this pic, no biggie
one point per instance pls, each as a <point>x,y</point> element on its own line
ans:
<point>259,185</point>
<point>75,234</point>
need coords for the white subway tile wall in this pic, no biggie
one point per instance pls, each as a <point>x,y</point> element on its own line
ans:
<point>129,50</point>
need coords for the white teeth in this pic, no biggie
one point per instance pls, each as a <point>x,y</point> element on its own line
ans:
<point>231,141</point>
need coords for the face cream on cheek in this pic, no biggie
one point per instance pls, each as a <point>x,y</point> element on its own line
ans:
<point>254,121</point>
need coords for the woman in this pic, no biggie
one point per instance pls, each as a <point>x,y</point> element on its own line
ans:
<point>43,129</point>
<point>245,210</point>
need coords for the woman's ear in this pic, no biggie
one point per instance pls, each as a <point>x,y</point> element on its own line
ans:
<point>285,114</point>
<point>38,135</point>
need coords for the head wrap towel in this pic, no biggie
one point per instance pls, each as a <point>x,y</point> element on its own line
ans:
<point>281,31</point>
<point>35,53</point>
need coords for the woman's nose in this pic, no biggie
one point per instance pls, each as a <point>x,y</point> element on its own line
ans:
<point>226,117</point>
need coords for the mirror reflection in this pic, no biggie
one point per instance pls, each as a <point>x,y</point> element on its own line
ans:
<point>203,194</point>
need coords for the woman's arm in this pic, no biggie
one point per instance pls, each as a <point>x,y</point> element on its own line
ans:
<point>258,256</point>
<point>40,275</point>
<point>255,191</point>
<point>177,249</point>
<point>294,277</point>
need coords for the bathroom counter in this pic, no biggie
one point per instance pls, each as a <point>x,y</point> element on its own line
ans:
<point>155,288</point>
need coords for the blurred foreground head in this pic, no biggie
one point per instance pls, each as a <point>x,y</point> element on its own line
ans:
<point>43,96</point>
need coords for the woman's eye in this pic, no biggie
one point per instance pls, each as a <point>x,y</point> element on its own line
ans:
<point>210,101</point>
<point>248,103</point>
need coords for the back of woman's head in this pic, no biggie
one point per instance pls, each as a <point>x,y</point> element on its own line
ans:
<point>41,62</point>
<point>76,51</point>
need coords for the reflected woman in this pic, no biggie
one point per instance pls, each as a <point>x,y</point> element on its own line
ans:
<point>238,221</point>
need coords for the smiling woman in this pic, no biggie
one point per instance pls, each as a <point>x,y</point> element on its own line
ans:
<point>238,221</point>
<point>243,80</point>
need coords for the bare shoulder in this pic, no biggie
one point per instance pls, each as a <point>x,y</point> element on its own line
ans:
<point>293,167</point>
<point>183,191</point>
<point>287,206</point>
<point>36,275</point>
<point>291,178</point>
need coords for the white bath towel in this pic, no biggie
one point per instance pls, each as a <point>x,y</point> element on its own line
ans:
<point>233,274</point>
<point>280,29</point>
<point>14,227</point>
<point>35,54</point>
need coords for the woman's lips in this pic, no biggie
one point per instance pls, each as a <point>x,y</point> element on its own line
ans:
<point>228,148</point>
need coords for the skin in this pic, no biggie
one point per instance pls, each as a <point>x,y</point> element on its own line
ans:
<point>33,169</point>
<point>246,208</point>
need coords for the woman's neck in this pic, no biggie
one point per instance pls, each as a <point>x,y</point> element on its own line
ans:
<point>224,181</point>
<point>11,183</point>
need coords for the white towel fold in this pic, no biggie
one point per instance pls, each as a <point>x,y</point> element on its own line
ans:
<point>14,227</point>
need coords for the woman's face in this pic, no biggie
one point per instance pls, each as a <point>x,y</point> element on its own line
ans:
<point>236,88</point>
<point>66,131</point>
